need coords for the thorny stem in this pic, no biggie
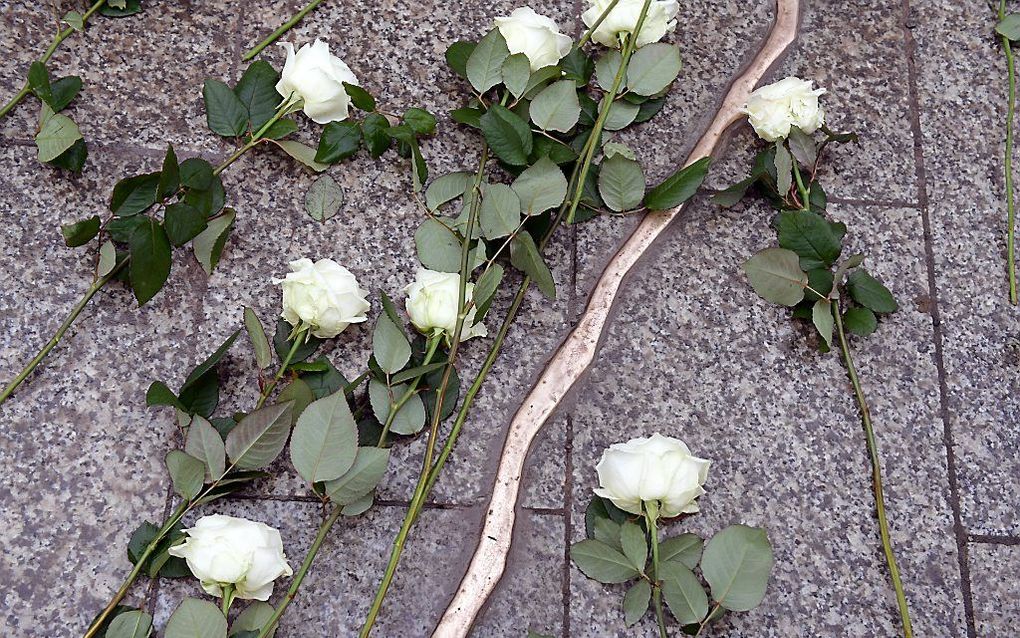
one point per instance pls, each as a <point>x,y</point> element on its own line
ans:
<point>285,108</point>
<point>299,338</point>
<point>286,26</point>
<point>1008,162</point>
<point>876,472</point>
<point>420,488</point>
<point>395,407</point>
<point>59,37</point>
<point>299,577</point>
<point>58,335</point>
<point>805,193</point>
<point>651,515</point>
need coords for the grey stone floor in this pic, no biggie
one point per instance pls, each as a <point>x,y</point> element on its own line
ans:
<point>692,352</point>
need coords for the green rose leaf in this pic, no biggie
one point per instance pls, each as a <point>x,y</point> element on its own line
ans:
<point>324,199</point>
<point>360,98</point>
<point>539,79</point>
<point>652,68</point>
<point>204,443</point>
<point>325,439</point>
<point>259,437</point>
<point>809,235</point>
<point>684,549</point>
<point>776,276</point>
<point>224,112</point>
<point>578,67</point>
<point>784,169</point>
<point>339,141</point>
<point>256,91</point>
<point>457,55</point>
<point>469,116</point>
<point>375,129</point>
<point>500,213</point>
<point>601,562</point>
<point>169,175</point>
<point>821,317</point>
<point>259,341</point>
<point>196,173</point>
<point>870,292</point>
<point>39,82</point>
<point>107,258</point>
<point>73,159</point>
<point>635,547</point>
<point>252,619</point>
<point>183,223</point>
<point>678,187</point>
<point>81,232</point>
<point>1009,26</point>
<point>390,346</point>
<point>635,602</point>
<point>484,66</point>
<point>736,564</point>
<point>134,195</point>
<point>524,255</point>
<point>279,129</point>
<point>621,183</point>
<point>421,121</point>
<point>208,246</point>
<point>438,247</point>
<point>368,469</point>
<point>485,289</point>
<point>187,474</point>
<point>447,188</point>
<point>150,260</point>
<point>606,68</point>
<point>507,134</point>
<point>516,73</point>
<point>302,153</point>
<point>63,91</point>
<point>556,107</point>
<point>196,618</point>
<point>860,321</point>
<point>540,187</point>
<point>683,593</point>
<point>130,624</point>
<point>57,133</point>
<point>300,393</point>
<point>411,417</point>
<point>803,147</point>
<point>621,115</point>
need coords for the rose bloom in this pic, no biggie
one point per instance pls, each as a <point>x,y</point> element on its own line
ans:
<point>624,17</point>
<point>775,108</point>
<point>316,76</point>
<point>534,35</point>
<point>657,468</point>
<point>224,550</point>
<point>323,295</point>
<point>432,304</point>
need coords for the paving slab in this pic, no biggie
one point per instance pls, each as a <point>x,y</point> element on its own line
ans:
<point>996,595</point>
<point>961,93</point>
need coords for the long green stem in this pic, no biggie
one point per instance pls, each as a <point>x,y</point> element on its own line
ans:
<point>285,108</point>
<point>96,286</point>
<point>299,577</point>
<point>651,516</point>
<point>876,473</point>
<point>60,36</point>
<point>607,101</point>
<point>104,616</point>
<point>1008,162</point>
<point>805,191</point>
<point>286,26</point>
<point>420,492</point>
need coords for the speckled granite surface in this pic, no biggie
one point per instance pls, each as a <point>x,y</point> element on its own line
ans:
<point>691,352</point>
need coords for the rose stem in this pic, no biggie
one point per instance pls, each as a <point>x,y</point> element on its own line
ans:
<point>630,44</point>
<point>283,367</point>
<point>805,192</point>
<point>102,281</point>
<point>419,489</point>
<point>651,515</point>
<point>286,26</point>
<point>433,344</point>
<point>876,472</point>
<point>57,39</point>
<point>78,307</point>
<point>1008,161</point>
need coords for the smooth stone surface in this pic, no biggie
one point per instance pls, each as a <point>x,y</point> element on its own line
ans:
<point>996,593</point>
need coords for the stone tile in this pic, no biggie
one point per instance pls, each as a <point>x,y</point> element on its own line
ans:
<point>865,72</point>
<point>133,97</point>
<point>694,353</point>
<point>530,595</point>
<point>962,99</point>
<point>996,598</point>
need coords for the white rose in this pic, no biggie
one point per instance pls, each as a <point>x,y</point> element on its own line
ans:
<point>316,77</point>
<point>224,550</point>
<point>432,304</point>
<point>624,17</point>
<point>657,468</point>
<point>775,108</point>
<point>323,295</point>
<point>534,35</point>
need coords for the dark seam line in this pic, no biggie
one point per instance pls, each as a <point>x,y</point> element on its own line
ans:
<point>994,539</point>
<point>910,49</point>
